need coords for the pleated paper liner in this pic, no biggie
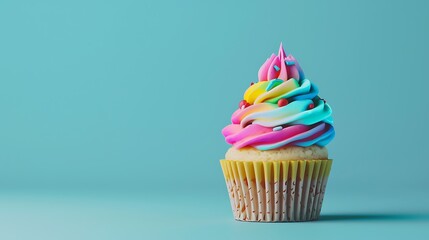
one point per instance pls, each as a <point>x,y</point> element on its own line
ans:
<point>276,191</point>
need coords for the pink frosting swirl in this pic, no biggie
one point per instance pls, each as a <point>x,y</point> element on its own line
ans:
<point>280,67</point>
<point>264,138</point>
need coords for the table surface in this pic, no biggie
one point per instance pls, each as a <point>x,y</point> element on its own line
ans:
<point>53,215</point>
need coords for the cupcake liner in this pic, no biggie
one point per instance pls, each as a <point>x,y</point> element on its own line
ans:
<point>276,191</point>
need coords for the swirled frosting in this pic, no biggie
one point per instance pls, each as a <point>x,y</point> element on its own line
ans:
<point>282,109</point>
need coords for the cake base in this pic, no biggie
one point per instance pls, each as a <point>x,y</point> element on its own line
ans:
<point>279,154</point>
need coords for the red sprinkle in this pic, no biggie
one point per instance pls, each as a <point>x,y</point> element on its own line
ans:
<point>243,104</point>
<point>311,106</point>
<point>282,102</point>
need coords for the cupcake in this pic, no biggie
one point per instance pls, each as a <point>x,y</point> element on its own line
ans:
<point>277,167</point>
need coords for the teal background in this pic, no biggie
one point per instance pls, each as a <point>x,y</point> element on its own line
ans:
<point>111,114</point>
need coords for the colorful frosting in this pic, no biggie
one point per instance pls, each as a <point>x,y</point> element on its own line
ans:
<point>282,109</point>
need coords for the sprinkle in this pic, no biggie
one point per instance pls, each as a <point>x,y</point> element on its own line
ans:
<point>252,83</point>
<point>242,104</point>
<point>290,63</point>
<point>311,106</point>
<point>278,128</point>
<point>276,68</point>
<point>282,102</point>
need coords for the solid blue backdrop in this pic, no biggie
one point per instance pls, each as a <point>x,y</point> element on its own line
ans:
<point>131,96</point>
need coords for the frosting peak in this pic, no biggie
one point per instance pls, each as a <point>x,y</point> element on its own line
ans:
<point>282,109</point>
<point>282,67</point>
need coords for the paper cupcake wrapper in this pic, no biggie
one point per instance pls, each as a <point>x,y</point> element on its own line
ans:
<point>276,191</point>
